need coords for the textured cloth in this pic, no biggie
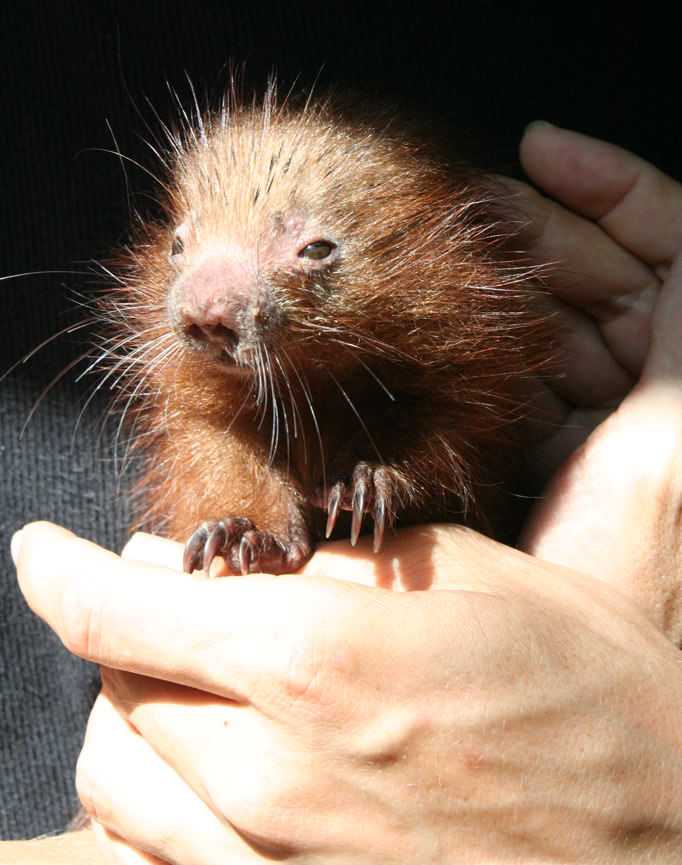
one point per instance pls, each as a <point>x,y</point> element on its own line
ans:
<point>69,68</point>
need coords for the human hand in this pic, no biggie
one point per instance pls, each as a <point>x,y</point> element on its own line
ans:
<point>610,236</point>
<point>613,509</point>
<point>312,720</point>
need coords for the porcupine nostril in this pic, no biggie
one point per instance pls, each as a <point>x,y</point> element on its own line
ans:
<point>217,335</point>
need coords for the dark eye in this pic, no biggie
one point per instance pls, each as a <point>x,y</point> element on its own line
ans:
<point>178,246</point>
<point>317,250</point>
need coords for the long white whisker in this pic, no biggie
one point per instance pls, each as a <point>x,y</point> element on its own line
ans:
<point>72,328</point>
<point>134,162</point>
<point>277,399</point>
<point>370,371</point>
<point>126,361</point>
<point>49,387</point>
<point>133,436</point>
<point>123,167</point>
<point>152,366</point>
<point>138,357</point>
<point>274,438</point>
<point>309,400</point>
<point>107,272</point>
<point>262,393</point>
<point>116,346</point>
<point>42,273</point>
<point>362,341</point>
<point>357,414</point>
<point>297,421</point>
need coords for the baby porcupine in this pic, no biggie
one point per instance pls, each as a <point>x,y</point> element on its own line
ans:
<point>330,324</point>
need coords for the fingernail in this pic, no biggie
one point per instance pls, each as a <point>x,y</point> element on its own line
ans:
<point>539,124</point>
<point>15,545</point>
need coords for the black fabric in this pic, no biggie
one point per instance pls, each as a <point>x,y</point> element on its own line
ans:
<point>71,77</point>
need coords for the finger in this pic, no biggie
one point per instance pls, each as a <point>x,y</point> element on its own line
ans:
<point>406,562</point>
<point>349,564</point>
<point>119,851</point>
<point>664,364</point>
<point>635,203</point>
<point>595,366</point>
<point>253,639</point>
<point>433,556</point>
<point>153,550</point>
<point>587,269</point>
<point>613,511</point>
<point>221,636</point>
<point>240,637</point>
<point>586,266</point>
<point>244,766</point>
<point>127,788</point>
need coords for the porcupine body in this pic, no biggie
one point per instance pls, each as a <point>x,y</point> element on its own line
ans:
<point>329,328</point>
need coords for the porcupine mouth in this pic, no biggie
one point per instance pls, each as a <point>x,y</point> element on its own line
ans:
<point>233,363</point>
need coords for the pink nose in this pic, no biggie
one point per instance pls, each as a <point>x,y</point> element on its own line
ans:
<point>215,301</point>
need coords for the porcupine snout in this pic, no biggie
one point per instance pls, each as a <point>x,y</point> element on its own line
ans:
<point>220,304</point>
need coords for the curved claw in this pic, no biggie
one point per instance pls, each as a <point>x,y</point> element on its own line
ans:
<point>217,537</point>
<point>379,523</point>
<point>246,548</point>
<point>245,555</point>
<point>334,506</point>
<point>358,512</point>
<point>192,557</point>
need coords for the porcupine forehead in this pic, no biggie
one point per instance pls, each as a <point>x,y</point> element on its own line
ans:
<point>257,164</point>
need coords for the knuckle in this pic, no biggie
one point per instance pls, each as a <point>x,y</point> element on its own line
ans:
<point>89,788</point>
<point>393,734</point>
<point>302,668</point>
<point>267,807</point>
<point>301,646</point>
<point>313,653</point>
<point>107,798</point>
<point>316,661</point>
<point>84,783</point>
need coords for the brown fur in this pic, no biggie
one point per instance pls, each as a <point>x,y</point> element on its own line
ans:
<point>427,302</point>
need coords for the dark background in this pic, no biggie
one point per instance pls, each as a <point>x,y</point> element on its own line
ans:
<point>71,70</point>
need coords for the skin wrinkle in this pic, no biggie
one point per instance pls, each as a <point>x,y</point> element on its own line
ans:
<point>621,199</point>
<point>644,176</point>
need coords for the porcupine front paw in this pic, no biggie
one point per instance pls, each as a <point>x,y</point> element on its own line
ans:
<point>375,490</point>
<point>245,548</point>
